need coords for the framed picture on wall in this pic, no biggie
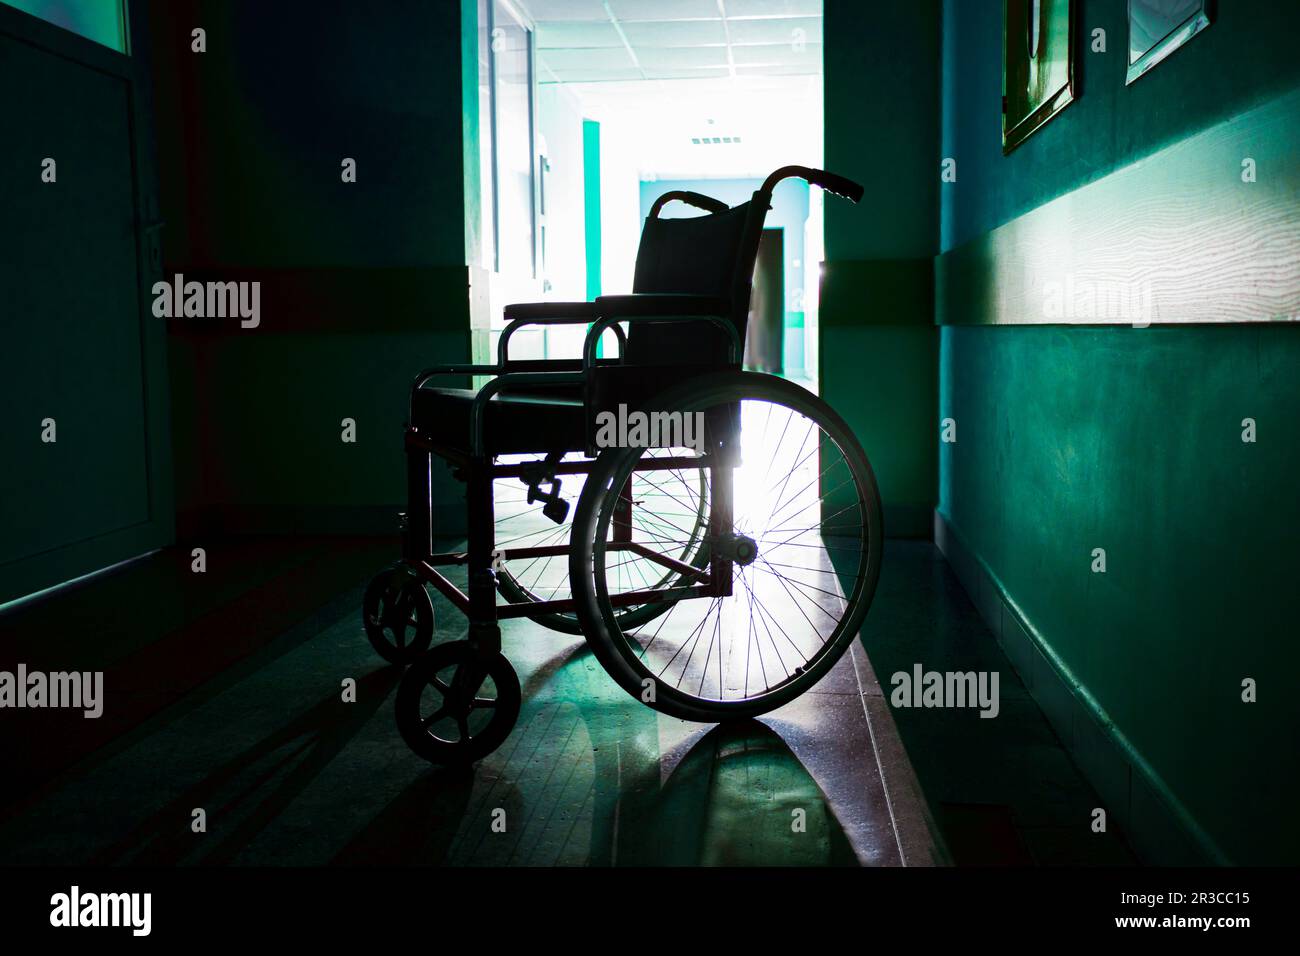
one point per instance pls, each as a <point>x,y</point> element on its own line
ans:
<point>1156,28</point>
<point>1038,65</point>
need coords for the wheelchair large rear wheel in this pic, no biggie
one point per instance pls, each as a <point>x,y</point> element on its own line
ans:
<point>803,546</point>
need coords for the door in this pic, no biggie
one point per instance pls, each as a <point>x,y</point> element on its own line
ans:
<point>85,481</point>
<point>765,333</point>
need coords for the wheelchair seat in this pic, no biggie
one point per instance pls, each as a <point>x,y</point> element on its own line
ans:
<point>517,421</point>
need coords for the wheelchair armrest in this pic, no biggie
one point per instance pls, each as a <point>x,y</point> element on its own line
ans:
<point>426,374</point>
<point>653,308</point>
<point>521,372</point>
<point>660,304</point>
<point>521,314</point>
<point>555,311</point>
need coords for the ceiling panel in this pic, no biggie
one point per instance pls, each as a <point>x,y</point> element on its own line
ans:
<point>662,58</point>
<point>685,73</point>
<point>809,55</point>
<point>775,31</point>
<point>628,10</point>
<point>541,10</point>
<point>597,75</point>
<point>773,8</point>
<point>684,86</point>
<point>676,33</point>
<point>596,59</point>
<point>583,33</point>
<point>802,69</point>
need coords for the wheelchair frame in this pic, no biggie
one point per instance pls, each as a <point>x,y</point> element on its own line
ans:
<point>479,605</point>
<point>710,575</point>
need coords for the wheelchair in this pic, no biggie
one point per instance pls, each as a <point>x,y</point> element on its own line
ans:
<point>714,579</point>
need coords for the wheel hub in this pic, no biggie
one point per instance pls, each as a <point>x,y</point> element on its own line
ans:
<point>740,548</point>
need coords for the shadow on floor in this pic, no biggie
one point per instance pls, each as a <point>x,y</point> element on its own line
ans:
<point>286,772</point>
<point>259,784</point>
<point>257,736</point>
<point>739,797</point>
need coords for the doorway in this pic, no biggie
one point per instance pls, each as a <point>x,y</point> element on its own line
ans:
<point>765,337</point>
<point>89,482</point>
<point>637,97</point>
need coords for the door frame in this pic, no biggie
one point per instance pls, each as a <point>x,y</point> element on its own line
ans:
<point>31,573</point>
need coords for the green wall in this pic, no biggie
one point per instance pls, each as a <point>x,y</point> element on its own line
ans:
<point>103,21</point>
<point>877,341</point>
<point>370,281</point>
<point>1071,438</point>
<point>591,203</point>
<point>1247,56</point>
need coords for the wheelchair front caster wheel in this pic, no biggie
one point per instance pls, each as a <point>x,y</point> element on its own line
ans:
<point>454,708</point>
<point>398,616</point>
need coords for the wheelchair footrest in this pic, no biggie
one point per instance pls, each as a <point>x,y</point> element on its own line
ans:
<point>557,509</point>
<point>543,473</point>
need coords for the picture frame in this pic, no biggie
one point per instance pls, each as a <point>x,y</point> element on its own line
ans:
<point>1038,65</point>
<point>1157,28</point>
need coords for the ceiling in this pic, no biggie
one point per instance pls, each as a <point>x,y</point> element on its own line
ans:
<point>706,87</point>
<point>587,41</point>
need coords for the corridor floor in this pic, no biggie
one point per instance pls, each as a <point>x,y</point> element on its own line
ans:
<point>225,695</point>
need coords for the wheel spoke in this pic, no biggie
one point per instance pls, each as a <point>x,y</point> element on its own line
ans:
<point>776,627</point>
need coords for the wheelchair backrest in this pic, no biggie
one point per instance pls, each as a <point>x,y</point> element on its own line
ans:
<point>712,254</point>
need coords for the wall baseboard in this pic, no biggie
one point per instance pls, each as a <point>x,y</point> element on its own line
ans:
<point>1159,828</point>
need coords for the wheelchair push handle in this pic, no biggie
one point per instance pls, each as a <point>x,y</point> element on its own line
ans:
<point>831,182</point>
<point>698,200</point>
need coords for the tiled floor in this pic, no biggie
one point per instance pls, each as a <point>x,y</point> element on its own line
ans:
<point>259,738</point>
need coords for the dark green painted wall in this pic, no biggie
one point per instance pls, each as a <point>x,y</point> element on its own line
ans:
<point>251,146</point>
<point>1074,438</point>
<point>250,156</point>
<point>877,342</point>
<point>1070,439</point>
